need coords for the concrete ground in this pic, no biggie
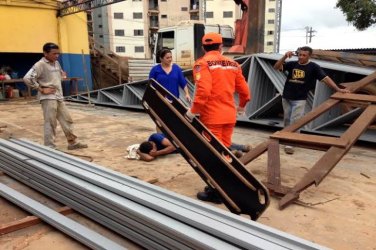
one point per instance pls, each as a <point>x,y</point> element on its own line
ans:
<point>340,213</point>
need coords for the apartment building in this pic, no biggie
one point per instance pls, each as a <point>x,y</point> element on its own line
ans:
<point>272,12</point>
<point>127,27</point>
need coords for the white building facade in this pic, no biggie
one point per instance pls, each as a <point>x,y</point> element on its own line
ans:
<point>132,23</point>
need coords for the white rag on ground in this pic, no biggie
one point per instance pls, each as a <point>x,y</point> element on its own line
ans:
<point>132,152</point>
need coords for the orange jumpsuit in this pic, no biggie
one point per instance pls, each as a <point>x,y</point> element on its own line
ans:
<point>217,78</point>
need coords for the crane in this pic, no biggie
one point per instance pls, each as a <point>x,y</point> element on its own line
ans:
<point>74,6</point>
<point>249,31</point>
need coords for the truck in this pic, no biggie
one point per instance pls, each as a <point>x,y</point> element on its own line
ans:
<point>184,41</point>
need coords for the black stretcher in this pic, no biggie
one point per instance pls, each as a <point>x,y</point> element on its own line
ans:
<point>239,190</point>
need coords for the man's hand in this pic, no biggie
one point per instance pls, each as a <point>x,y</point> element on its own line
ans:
<point>63,74</point>
<point>188,98</point>
<point>153,153</point>
<point>190,115</point>
<point>240,110</point>
<point>47,91</point>
<point>289,54</point>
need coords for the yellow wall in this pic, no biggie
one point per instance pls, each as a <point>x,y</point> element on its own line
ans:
<point>25,30</point>
<point>74,34</point>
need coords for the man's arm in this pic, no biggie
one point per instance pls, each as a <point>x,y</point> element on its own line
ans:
<point>145,157</point>
<point>31,79</point>
<point>328,81</point>
<point>203,82</point>
<point>241,87</point>
<point>279,64</point>
<point>169,148</point>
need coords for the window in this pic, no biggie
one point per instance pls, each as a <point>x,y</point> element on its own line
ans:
<point>270,21</point>
<point>194,17</point>
<point>100,26</point>
<point>209,14</point>
<point>99,15</point>
<point>184,8</point>
<point>120,49</point>
<point>271,10</point>
<point>138,32</point>
<point>137,15</point>
<point>166,40</point>
<point>100,36</point>
<point>118,15</point>
<point>270,32</point>
<point>163,0</point>
<point>227,14</point>
<point>139,49</point>
<point>119,32</point>
<point>163,16</point>
<point>269,43</point>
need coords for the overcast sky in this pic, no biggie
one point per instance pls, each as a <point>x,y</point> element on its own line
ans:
<point>332,29</point>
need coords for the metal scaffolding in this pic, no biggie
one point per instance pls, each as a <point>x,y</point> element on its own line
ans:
<point>266,84</point>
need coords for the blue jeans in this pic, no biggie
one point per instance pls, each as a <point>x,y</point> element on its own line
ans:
<point>292,110</point>
<point>235,146</point>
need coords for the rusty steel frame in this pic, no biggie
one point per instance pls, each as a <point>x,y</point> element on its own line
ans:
<point>335,148</point>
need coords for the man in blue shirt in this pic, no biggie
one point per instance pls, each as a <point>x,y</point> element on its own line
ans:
<point>155,146</point>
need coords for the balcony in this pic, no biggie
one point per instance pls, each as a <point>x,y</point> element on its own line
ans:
<point>194,6</point>
<point>154,26</point>
<point>153,11</point>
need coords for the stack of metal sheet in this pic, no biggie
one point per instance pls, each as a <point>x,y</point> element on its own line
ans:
<point>148,215</point>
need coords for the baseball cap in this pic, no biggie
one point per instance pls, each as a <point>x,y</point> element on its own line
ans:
<point>211,38</point>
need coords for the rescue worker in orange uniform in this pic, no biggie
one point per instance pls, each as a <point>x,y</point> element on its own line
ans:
<point>217,78</point>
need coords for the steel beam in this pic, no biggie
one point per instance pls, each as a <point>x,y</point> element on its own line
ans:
<point>77,231</point>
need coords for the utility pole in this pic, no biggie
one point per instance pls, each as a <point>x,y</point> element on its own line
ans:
<point>309,34</point>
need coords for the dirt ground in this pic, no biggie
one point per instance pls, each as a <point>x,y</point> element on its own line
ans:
<point>340,212</point>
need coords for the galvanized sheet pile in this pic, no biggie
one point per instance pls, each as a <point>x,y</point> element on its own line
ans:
<point>150,216</point>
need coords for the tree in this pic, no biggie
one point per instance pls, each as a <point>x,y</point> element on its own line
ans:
<point>361,13</point>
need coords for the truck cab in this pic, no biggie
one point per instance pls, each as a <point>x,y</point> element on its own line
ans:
<point>184,41</point>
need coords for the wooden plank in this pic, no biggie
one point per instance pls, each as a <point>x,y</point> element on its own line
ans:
<point>28,221</point>
<point>274,165</point>
<point>329,160</point>
<point>310,139</point>
<point>354,97</point>
<point>354,86</point>
<point>254,153</point>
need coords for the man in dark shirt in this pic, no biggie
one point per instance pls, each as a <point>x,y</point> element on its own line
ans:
<point>155,146</point>
<point>301,78</point>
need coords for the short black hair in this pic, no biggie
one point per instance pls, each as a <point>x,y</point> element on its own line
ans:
<point>306,48</point>
<point>47,47</point>
<point>145,147</point>
<point>211,47</point>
